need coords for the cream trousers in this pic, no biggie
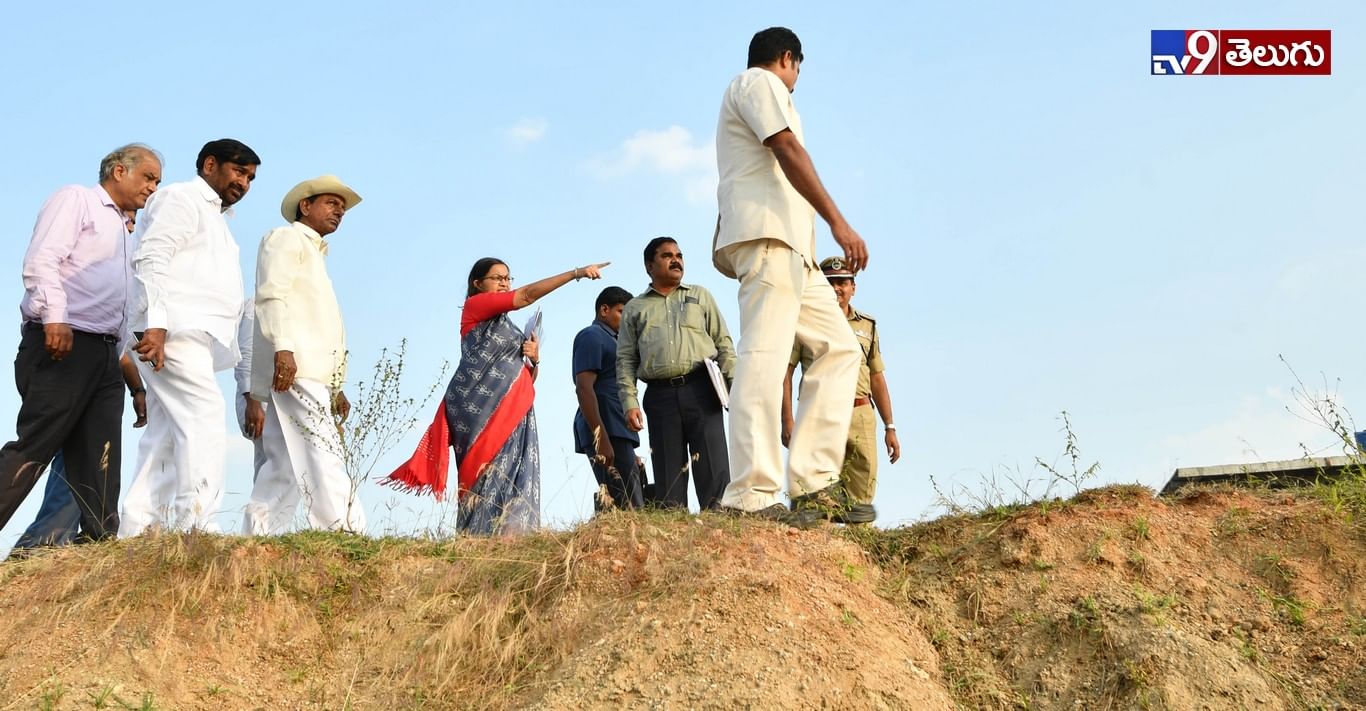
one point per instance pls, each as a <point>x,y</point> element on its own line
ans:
<point>783,296</point>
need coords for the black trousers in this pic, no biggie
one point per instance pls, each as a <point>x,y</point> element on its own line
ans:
<point>622,479</point>
<point>73,405</point>
<point>686,428</point>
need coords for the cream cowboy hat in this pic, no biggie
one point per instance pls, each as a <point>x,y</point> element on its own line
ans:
<point>321,185</point>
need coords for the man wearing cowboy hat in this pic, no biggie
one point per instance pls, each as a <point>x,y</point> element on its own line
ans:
<point>859,473</point>
<point>299,366</point>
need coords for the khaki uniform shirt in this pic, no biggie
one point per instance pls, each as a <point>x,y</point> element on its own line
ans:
<point>667,336</point>
<point>865,330</point>
<point>756,201</point>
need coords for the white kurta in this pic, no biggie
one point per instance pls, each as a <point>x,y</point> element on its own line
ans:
<point>296,310</point>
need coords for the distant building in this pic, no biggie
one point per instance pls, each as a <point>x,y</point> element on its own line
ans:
<point>1279,474</point>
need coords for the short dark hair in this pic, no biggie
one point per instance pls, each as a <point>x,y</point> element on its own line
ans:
<point>226,150</point>
<point>479,271</point>
<point>611,296</point>
<point>653,247</point>
<point>769,45</point>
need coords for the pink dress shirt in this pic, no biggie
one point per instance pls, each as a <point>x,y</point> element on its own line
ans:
<point>76,270</point>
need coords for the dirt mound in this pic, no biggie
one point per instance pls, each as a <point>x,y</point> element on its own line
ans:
<point>728,616</point>
<point>1222,599</point>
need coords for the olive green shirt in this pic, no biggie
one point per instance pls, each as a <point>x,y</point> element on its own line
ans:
<point>667,336</point>
<point>865,330</point>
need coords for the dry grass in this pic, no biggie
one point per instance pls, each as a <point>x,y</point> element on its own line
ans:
<point>337,619</point>
<point>449,620</point>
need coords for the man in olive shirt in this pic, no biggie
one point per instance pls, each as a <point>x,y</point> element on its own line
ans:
<point>667,333</point>
<point>859,473</point>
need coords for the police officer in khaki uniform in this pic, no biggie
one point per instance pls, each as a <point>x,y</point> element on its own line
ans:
<point>859,473</point>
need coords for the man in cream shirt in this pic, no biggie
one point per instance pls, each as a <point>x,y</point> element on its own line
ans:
<point>186,301</point>
<point>298,368</point>
<point>765,237</point>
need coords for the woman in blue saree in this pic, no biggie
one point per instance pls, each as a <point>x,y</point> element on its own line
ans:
<point>487,412</point>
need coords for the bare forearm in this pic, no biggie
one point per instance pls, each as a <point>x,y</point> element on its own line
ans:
<point>882,398</point>
<point>588,405</point>
<point>801,173</point>
<point>131,377</point>
<point>531,293</point>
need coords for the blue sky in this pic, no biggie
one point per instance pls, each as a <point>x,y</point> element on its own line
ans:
<point>1050,226</point>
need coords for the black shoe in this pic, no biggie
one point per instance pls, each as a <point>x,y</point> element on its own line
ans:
<point>778,513</point>
<point>833,503</point>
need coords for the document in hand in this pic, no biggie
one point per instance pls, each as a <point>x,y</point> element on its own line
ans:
<point>533,328</point>
<point>718,382</point>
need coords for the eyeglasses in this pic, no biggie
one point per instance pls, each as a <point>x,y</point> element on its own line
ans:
<point>500,278</point>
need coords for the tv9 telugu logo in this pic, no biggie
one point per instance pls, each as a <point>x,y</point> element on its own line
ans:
<point>1242,52</point>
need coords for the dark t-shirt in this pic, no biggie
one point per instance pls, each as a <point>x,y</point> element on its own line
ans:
<point>595,349</point>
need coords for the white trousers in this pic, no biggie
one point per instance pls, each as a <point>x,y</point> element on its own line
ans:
<point>178,482</point>
<point>782,297</point>
<point>303,460</point>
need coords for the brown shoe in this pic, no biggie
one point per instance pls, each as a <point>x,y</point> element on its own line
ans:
<point>833,503</point>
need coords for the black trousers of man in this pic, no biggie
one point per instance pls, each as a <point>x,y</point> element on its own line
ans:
<point>684,417</point>
<point>74,405</point>
<point>622,479</point>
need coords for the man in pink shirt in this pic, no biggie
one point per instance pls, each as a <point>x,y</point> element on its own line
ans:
<point>67,371</point>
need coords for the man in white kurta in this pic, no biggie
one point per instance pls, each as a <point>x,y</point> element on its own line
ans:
<point>187,298</point>
<point>768,197</point>
<point>298,368</point>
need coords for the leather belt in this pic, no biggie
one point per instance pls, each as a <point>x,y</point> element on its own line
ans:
<point>106,337</point>
<point>679,380</point>
<point>861,401</point>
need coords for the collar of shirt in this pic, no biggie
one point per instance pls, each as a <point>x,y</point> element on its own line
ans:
<point>109,202</point>
<point>603,325</point>
<point>104,197</point>
<point>210,195</point>
<point>312,236</point>
<point>650,289</point>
